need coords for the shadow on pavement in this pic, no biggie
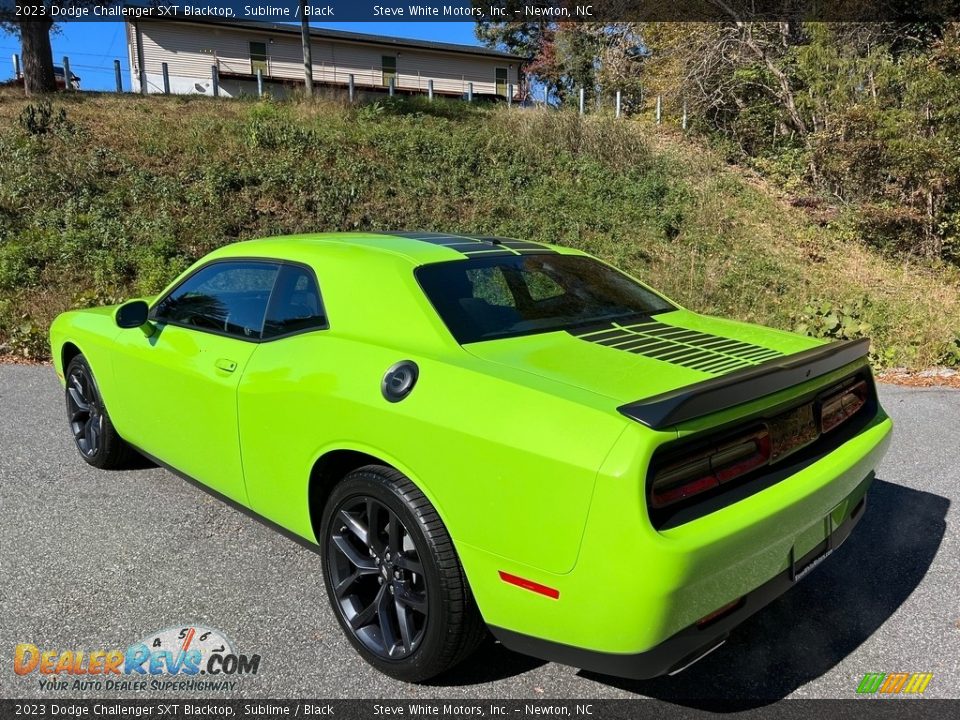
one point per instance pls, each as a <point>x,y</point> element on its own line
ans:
<point>816,624</point>
<point>491,662</point>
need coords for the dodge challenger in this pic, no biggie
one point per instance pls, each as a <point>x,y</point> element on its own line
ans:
<point>486,434</point>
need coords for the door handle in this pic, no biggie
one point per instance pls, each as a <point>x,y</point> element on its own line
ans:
<point>226,365</point>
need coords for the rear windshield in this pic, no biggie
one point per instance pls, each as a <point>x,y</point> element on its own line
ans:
<point>487,298</point>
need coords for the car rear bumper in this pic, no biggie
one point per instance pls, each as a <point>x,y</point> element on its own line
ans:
<point>693,642</point>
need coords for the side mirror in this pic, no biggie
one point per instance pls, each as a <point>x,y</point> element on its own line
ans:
<point>132,314</point>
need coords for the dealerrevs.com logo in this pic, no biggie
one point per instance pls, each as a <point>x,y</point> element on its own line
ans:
<point>901,683</point>
<point>189,658</point>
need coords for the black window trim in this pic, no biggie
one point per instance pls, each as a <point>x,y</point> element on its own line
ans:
<point>244,259</point>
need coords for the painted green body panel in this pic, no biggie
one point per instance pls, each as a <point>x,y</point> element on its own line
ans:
<point>517,442</point>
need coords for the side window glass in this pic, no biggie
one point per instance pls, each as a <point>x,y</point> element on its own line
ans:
<point>226,297</point>
<point>295,305</point>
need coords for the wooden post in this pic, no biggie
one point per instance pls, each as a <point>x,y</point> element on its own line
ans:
<point>684,121</point>
<point>583,95</point>
<point>215,80</point>
<point>259,82</point>
<point>509,94</point>
<point>16,66</point>
<point>351,87</point>
<point>659,108</point>
<point>165,69</point>
<point>392,86</point>
<point>67,85</point>
<point>469,92</point>
<point>141,65</point>
<point>618,103</point>
<point>118,75</point>
<point>307,50</point>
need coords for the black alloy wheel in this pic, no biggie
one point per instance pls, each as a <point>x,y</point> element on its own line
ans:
<point>97,440</point>
<point>378,578</point>
<point>393,576</point>
<point>84,410</point>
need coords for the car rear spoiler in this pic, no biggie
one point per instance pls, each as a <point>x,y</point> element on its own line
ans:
<point>742,386</point>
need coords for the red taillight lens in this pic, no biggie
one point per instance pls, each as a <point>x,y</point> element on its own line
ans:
<point>838,408</point>
<point>709,469</point>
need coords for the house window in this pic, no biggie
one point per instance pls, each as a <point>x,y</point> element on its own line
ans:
<point>502,81</point>
<point>388,68</point>
<point>258,58</point>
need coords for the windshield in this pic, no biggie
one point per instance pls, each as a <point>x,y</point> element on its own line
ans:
<point>487,298</point>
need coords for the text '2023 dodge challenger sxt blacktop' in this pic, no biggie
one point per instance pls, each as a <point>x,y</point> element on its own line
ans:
<point>484,433</point>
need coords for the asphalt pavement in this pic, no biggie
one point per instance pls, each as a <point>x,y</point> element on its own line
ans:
<point>98,560</point>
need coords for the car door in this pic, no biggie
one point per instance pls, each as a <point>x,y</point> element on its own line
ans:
<point>188,370</point>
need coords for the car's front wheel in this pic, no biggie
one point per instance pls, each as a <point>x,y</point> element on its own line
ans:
<point>93,432</point>
<point>393,577</point>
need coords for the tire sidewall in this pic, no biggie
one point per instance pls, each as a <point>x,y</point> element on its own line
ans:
<point>370,483</point>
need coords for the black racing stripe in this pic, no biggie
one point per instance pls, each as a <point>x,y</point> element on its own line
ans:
<point>692,349</point>
<point>472,245</point>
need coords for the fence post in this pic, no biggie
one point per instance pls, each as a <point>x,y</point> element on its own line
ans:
<point>509,94</point>
<point>430,89</point>
<point>67,85</point>
<point>618,103</point>
<point>259,82</point>
<point>351,87</point>
<point>215,80</point>
<point>684,122</point>
<point>583,94</point>
<point>392,86</point>
<point>118,76</point>
<point>659,108</point>
<point>16,65</point>
<point>469,92</point>
<point>165,69</point>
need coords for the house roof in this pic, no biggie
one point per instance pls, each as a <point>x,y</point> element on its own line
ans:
<point>346,36</point>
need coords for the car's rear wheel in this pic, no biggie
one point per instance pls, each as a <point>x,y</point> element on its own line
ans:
<point>393,577</point>
<point>93,432</point>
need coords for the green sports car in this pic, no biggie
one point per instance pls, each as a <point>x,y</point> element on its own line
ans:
<point>482,433</point>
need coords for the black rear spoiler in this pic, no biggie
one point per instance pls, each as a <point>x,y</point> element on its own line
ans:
<point>742,386</point>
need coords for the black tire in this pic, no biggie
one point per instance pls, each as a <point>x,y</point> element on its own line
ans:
<point>96,439</point>
<point>370,576</point>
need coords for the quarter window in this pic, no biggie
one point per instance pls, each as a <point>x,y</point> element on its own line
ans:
<point>295,305</point>
<point>225,297</point>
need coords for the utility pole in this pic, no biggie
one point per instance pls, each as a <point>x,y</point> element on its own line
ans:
<point>307,53</point>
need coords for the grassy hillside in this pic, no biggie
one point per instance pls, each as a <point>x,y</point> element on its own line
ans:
<point>110,196</point>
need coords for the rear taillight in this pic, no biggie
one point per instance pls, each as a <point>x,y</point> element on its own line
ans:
<point>711,468</point>
<point>841,406</point>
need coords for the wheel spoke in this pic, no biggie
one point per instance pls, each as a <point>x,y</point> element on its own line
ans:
<point>373,526</point>
<point>365,616</point>
<point>387,630</point>
<point>403,622</point>
<point>355,526</point>
<point>394,535</point>
<point>361,562</point>
<point>413,600</point>
<point>78,400</point>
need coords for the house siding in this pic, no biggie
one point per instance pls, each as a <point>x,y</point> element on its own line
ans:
<point>190,51</point>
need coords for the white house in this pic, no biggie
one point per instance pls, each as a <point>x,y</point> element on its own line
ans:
<point>238,49</point>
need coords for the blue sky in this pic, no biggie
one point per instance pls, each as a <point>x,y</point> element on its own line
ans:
<point>93,46</point>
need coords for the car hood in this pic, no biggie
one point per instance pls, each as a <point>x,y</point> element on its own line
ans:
<point>638,359</point>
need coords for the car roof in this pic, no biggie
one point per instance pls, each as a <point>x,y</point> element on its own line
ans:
<point>414,247</point>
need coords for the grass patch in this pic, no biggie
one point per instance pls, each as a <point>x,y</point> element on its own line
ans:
<point>116,195</point>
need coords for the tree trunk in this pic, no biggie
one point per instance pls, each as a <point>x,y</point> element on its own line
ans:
<point>37,57</point>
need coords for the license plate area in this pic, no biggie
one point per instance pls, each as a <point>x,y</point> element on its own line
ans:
<point>803,566</point>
